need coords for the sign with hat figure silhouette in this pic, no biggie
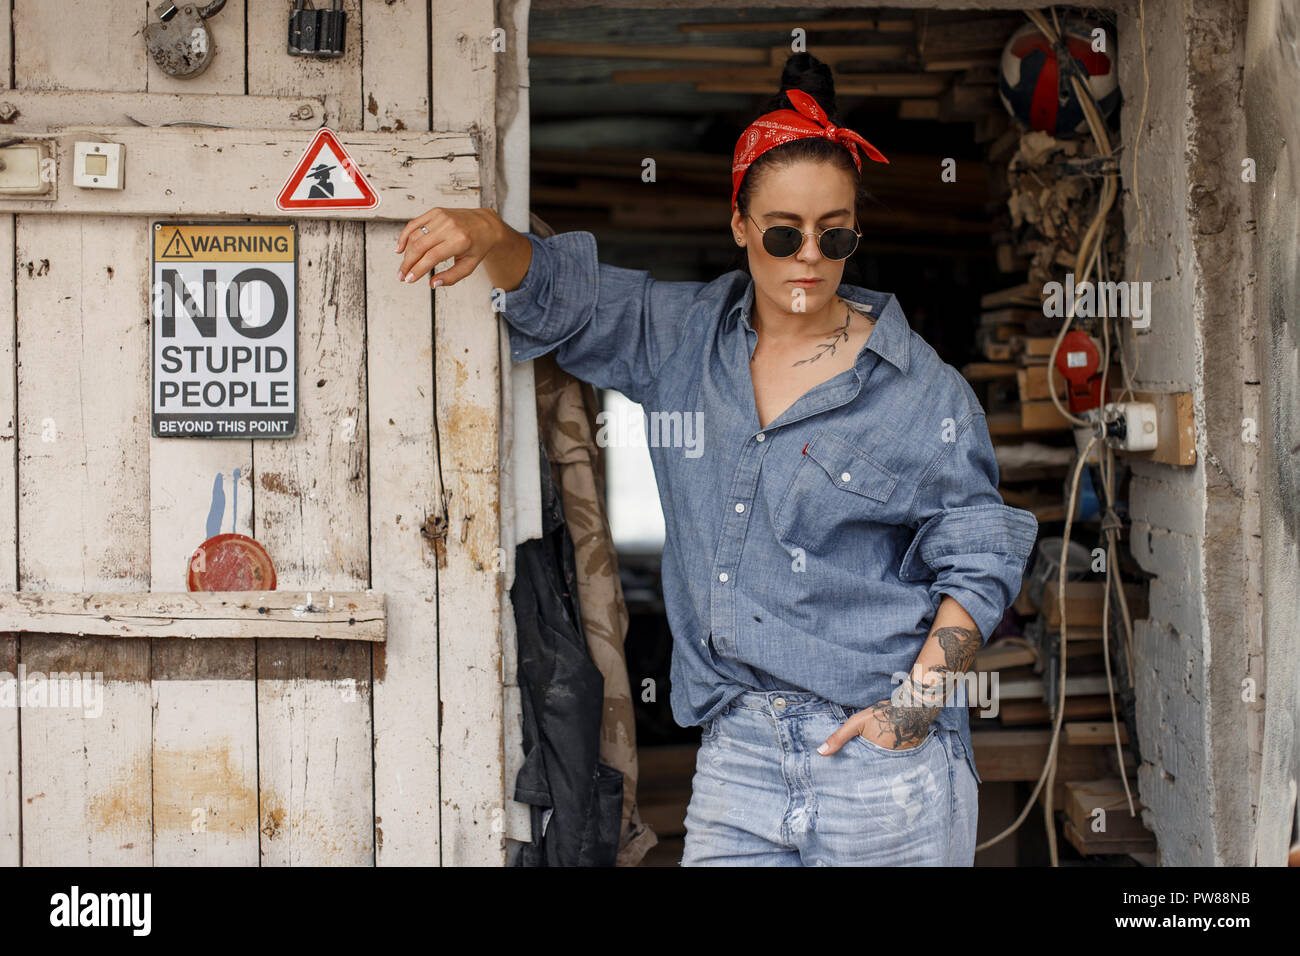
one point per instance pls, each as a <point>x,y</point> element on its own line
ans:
<point>326,177</point>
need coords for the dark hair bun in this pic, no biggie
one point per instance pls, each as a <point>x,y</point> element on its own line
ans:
<point>805,72</point>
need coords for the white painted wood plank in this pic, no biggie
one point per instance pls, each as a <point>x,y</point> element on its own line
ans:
<point>210,615</point>
<point>311,514</point>
<point>225,72</point>
<point>10,791</point>
<point>83,469</point>
<point>406,490</point>
<point>6,45</point>
<point>94,46</point>
<point>41,109</point>
<point>521,512</point>
<point>467,376</point>
<point>272,71</point>
<point>404,493</point>
<point>205,705</point>
<point>317,778</point>
<point>205,697</point>
<point>396,65</point>
<point>180,172</point>
<point>84,524</point>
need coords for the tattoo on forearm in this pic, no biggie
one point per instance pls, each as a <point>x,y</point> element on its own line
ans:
<point>960,645</point>
<point>906,715</point>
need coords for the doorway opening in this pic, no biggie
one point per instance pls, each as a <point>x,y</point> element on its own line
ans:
<point>973,216</point>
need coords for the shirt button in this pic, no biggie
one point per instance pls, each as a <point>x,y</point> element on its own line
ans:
<point>759,437</point>
<point>844,476</point>
<point>722,576</point>
<point>740,506</point>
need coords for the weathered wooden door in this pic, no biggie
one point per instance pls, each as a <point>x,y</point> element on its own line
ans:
<point>254,750</point>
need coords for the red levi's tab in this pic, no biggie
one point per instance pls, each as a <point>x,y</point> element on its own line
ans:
<point>805,447</point>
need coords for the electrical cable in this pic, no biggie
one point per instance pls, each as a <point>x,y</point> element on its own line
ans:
<point>1050,762</point>
<point>1091,247</point>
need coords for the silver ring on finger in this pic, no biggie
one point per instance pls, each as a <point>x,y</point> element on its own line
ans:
<point>424,230</point>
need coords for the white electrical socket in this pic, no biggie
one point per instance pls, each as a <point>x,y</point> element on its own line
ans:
<point>98,165</point>
<point>1140,432</point>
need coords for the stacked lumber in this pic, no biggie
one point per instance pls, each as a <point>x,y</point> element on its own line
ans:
<point>1094,751</point>
<point>1100,820</point>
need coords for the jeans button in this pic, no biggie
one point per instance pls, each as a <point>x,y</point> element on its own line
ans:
<point>779,702</point>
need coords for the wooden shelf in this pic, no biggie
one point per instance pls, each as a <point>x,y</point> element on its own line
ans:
<point>309,615</point>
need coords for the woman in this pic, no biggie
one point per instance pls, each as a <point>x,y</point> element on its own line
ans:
<point>836,550</point>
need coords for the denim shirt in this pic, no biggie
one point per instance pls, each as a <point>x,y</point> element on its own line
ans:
<point>810,555</point>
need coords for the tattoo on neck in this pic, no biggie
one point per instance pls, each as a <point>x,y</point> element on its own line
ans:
<point>841,333</point>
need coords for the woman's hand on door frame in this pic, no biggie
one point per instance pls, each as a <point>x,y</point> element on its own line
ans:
<point>464,235</point>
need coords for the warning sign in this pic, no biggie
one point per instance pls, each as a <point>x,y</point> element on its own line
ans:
<point>225,330</point>
<point>326,178</point>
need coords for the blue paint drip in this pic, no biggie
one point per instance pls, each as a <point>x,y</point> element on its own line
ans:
<point>218,507</point>
<point>234,510</point>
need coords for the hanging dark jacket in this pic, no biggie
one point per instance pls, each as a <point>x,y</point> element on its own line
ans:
<point>576,800</point>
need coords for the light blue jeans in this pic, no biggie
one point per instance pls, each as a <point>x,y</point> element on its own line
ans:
<point>763,796</point>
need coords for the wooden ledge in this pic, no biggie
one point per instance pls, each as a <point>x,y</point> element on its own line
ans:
<point>318,615</point>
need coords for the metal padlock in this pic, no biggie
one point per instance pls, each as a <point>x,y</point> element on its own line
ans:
<point>317,33</point>
<point>178,39</point>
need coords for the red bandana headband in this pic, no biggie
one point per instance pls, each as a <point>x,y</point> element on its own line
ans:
<point>782,126</point>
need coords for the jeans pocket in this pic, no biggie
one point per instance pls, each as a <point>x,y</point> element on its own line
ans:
<point>876,750</point>
<point>712,726</point>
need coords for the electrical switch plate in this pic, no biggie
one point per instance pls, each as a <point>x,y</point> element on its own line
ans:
<point>24,170</point>
<point>98,165</point>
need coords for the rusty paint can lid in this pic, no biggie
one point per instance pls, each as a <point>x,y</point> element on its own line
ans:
<point>230,562</point>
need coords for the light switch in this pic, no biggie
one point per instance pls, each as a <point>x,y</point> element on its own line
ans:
<point>26,169</point>
<point>98,165</point>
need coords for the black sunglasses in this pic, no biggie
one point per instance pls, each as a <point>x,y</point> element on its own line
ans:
<point>781,242</point>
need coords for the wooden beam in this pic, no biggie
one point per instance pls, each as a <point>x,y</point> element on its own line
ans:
<point>845,85</point>
<point>919,109</point>
<point>1019,755</point>
<point>1093,733</point>
<point>178,172</point>
<point>744,78</point>
<point>327,615</point>
<point>809,26</point>
<point>42,109</point>
<point>833,55</point>
<point>650,51</point>
<point>1083,603</point>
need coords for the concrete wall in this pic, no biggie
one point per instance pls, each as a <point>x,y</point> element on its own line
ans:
<point>1196,529</point>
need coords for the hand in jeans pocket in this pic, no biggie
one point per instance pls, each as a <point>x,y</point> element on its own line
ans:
<point>887,725</point>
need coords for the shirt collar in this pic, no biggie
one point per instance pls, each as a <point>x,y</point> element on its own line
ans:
<point>889,339</point>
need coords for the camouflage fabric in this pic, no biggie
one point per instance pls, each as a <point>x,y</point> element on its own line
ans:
<point>566,421</point>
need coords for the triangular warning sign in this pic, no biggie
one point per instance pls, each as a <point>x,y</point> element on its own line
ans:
<point>326,178</point>
<point>177,248</point>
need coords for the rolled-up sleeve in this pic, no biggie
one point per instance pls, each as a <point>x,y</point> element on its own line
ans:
<point>969,544</point>
<point>610,326</point>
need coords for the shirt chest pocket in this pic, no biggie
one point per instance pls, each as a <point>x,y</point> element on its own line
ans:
<point>837,492</point>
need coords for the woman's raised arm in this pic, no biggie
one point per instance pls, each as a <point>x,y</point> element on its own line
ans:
<point>610,326</point>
